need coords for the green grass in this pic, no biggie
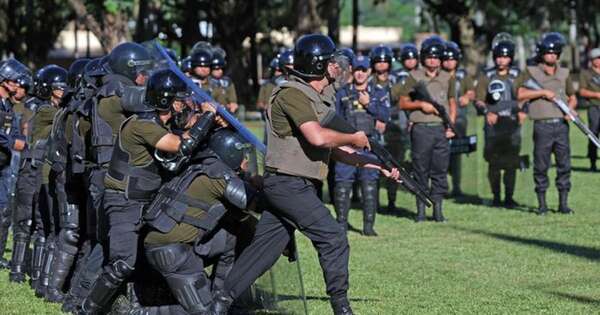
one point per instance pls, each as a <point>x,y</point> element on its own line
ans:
<point>483,261</point>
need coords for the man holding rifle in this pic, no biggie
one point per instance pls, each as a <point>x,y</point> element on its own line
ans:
<point>431,124</point>
<point>551,129</point>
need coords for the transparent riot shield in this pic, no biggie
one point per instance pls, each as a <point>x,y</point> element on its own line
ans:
<point>280,290</point>
<point>524,190</point>
<point>466,148</point>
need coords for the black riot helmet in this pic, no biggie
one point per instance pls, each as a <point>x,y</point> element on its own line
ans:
<point>201,58</point>
<point>312,54</point>
<point>164,87</point>
<point>49,78</point>
<point>130,59</point>
<point>504,49</point>
<point>218,62</point>
<point>409,51</point>
<point>25,81</point>
<point>452,51</point>
<point>432,47</point>
<point>285,59</point>
<point>381,53</point>
<point>348,53</point>
<point>229,147</point>
<point>76,71</point>
<point>551,43</point>
<point>186,64</point>
<point>274,64</point>
<point>11,69</point>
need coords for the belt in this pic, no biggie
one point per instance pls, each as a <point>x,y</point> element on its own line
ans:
<point>550,121</point>
<point>429,124</point>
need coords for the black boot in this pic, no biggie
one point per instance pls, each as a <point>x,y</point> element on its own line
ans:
<point>510,178</point>
<point>37,260</point>
<point>62,265</point>
<point>392,189</point>
<point>42,285</point>
<point>420,212</point>
<point>370,194</point>
<point>102,293</point>
<point>437,212</point>
<point>4,227</point>
<point>342,202</point>
<point>543,208</point>
<point>220,304</point>
<point>496,202</point>
<point>17,263</point>
<point>563,207</point>
<point>341,306</point>
<point>593,167</point>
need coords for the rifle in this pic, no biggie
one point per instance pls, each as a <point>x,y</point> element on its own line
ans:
<point>534,85</point>
<point>335,122</point>
<point>420,93</point>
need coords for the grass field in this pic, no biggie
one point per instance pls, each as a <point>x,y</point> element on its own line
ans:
<point>483,261</point>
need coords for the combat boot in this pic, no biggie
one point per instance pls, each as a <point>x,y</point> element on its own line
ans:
<point>42,284</point>
<point>370,194</point>
<point>437,212</point>
<point>563,202</point>
<point>342,202</point>
<point>341,306</point>
<point>542,207</point>
<point>420,212</point>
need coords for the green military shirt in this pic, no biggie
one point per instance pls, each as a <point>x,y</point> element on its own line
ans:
<point>289,110</point>
<point>110,110</point>
<point>230,93</point>
<point>42,126</point>
<point>202,188</point>
<point>404,90</point>
<point>466,85</point>
<point>525,75</point>
<point>586,81</point>
<point>264,94</point>
<point>138,138</point>
<point>26,114</point>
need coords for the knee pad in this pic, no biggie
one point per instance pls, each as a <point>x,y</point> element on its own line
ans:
<point>119,271</point>
<point>69,237</point>
<point>168,258</point>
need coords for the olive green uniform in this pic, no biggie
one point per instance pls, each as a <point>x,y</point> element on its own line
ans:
<point>590,80</point>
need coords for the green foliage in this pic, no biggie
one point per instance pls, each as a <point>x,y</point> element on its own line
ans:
<point>114,6</point>
<point>391,13</point>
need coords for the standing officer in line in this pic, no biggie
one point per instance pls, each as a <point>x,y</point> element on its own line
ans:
<point>360,105</point>
<point>298,150</point>
<point>227,95</point>
<point>497,97</point>
<point>134,176</point>
<point>429,137</point>
<point>397,138</point>
<point>200,62</point>
<point>589,87</point>
<point>464,93</point>
<point>551,128</point>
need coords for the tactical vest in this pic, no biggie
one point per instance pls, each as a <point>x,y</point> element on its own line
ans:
<point>79,109</point>
<point>294,155</point>
<point>39,148</point>
<point>102,141</point>
<point>402,75</point>
<point>171,202</point>
<point>141,182</point>
<point>508,122</point>
<point>437,88</point>
<point>355,113</point>
<point>544,109</point>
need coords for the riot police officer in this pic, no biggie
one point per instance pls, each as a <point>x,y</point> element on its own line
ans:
<point>497,99</point>
<point>200,62</point>
<point>464,93</point>
<point>361,106</point>
<point>295,160</point>
<point>551,129</point>
<point>397,138</point>
<point>134,177</point>
<point>227,94</point>
<point>429,137</point>
<point>589,87</point>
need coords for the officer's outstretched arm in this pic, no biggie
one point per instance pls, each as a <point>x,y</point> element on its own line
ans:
<point>589,93</point>
<point>327,138</point>
<point>525,94</point>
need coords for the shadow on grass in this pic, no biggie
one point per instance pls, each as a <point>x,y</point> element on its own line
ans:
<point>591,253</point>
<point>474,200</point>
<point>576,298</point>
<point>582,169</point>
<point>397,212</point>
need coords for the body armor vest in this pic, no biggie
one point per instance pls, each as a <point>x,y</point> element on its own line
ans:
<point>544,109</point>
<point>355,113</point>
<point>507,105</point>
<point>437,88</point>
<point>294,155</point>
<point>141,182</point>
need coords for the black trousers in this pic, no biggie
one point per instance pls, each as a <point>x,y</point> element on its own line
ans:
<point>551,138</point>
<point>294,205</point>
<point>27,218</point>
<point>594,122</point>
<point>430,156</point>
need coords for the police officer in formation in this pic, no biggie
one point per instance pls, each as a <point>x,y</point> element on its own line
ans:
<point>589,88</point>
<point>551,128</point>
<point>364,107</point>
<point>464,93</point>
<point>430,149</point>
<point>497,97</point>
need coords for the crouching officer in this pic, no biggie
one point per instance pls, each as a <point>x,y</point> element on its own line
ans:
<point>298,149</point>
<point>429,137</point>
<point>497,97</point>
<point>360,105</point>
<point>551,129</point>
<point>134,177</point>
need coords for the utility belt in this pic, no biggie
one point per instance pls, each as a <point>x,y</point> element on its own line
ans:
<point>270,171</point>
<point>550,121</point>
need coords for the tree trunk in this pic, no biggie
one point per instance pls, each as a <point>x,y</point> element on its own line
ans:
<point>308,18</point>
<point>113,30</point>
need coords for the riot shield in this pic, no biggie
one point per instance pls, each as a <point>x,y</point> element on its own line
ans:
<point>280,290</point>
